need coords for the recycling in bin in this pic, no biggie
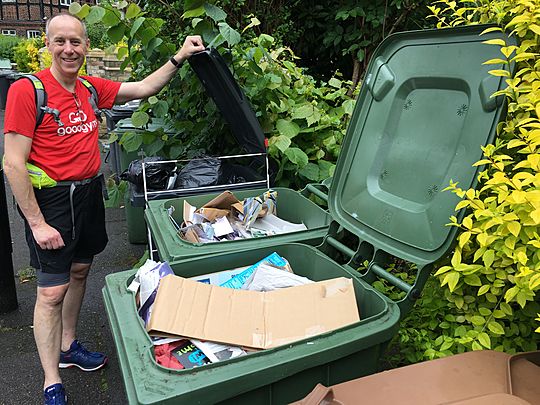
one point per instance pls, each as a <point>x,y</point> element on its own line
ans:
<point>423,112</point>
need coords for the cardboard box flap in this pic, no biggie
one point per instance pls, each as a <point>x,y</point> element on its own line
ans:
<point>223,201</point>
<point>252,319</point>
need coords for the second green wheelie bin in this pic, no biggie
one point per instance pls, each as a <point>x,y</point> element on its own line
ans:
<point>422,115</point>
<point>291,206</point>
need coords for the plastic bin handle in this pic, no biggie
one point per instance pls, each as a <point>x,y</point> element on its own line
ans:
<point>319,193</point>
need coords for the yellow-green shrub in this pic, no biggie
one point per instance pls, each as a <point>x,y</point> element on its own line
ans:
<point>494,276</point>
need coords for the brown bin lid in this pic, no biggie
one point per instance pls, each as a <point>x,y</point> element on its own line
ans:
<point>474,378</point>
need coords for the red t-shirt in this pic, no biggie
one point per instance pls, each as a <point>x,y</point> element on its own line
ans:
<point>70,152</point>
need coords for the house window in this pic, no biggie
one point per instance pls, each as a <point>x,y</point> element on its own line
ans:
<point>7,1</point>
<point>9,32</point>
<point>33,33</point>
<point>65,2</point>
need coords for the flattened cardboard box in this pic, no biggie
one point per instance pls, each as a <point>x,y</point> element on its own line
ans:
<point>249,318</point>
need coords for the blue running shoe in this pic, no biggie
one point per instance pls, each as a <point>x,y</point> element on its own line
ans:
<point>78,356</point>
<point>55,395</point>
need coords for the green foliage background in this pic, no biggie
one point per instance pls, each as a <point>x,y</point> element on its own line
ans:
<point>7,46</point>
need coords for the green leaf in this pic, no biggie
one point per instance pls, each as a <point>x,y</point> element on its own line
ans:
<point>484,289</point>
<point>506,308</point>
<point>484,340</point>
<point>196,12</point>
<point>139,119</point>
<point>153,148</point>
<point>281,142</point>
<point>310,171</point>
<point>96,14</point>
<point>85,10</point>
<point>152,45</point>
<point>111,17</point>
<point>297,156</point>
<point>456,258</point>
<point>484,311</point>
<point>476,346</point>
<point>231,36</point>
<point>348,106</point>
<point>265,40</point>
<point>335,83</point>
<point>192,4</point>
<point>497,41</point>
<point>74,8</point>
<point>496,328</point>
<point>451,279</point>
<point>488,257</point>
<point>447,344</point>
<point>160,109</point>
<point>443,270</point>
<point>304,111</point>
<point>214,12</point>
<point>478,320</point>
<point>514,227</point>
<point>326,169</point>
<point>153,99</point>
<point>132,11</point>
<point>131,141</point>
<point>287,128</point>
<point>136,25</point>
<point>116,33</point>
<point>473,280</point>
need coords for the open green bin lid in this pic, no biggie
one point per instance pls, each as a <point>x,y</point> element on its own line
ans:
<point>423,113</point>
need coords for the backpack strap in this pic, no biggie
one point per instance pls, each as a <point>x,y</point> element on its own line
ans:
<point>93,99</point>
<point>40,96</point>
<point>41,101</point>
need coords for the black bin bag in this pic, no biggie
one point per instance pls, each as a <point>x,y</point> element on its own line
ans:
<point>157,174</point>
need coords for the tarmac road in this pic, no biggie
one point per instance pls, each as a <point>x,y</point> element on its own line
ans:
<point>21,377</point>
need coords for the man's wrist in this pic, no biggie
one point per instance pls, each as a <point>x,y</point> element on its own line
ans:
<point>175,62</point>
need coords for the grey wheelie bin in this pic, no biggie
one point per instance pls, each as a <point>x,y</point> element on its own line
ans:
<point>423,112</point>
<point>134,207</point>
<point>113,117</point>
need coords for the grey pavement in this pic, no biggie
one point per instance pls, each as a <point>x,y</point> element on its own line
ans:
<point>21,377</point>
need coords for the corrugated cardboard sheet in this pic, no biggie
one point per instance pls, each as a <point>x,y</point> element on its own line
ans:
<point>252,319</point>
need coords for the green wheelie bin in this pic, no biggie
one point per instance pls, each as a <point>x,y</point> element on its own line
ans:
<point>423,113</point>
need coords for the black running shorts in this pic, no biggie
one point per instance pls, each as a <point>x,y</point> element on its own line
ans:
<point>90,236</point>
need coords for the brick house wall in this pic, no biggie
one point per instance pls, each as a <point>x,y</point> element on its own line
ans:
<point>20,16</point>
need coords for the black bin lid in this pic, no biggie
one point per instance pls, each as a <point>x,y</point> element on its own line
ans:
<point>221,86</point>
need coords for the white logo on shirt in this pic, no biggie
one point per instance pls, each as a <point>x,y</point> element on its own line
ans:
<point>77,117</point>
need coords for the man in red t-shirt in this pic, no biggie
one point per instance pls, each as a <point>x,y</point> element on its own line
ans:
<point>65,224</point>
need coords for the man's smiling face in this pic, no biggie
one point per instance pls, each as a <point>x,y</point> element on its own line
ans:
<point>68,44</point>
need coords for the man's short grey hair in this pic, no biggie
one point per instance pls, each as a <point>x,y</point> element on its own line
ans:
<point>68,15</point>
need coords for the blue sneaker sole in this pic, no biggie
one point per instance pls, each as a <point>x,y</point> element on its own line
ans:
<point>69,365</point>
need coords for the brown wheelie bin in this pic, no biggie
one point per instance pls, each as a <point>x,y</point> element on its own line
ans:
<point>474,378</point>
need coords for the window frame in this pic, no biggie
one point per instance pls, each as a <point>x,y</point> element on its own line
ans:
<point>9,32</point>
<point>36,32</point>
